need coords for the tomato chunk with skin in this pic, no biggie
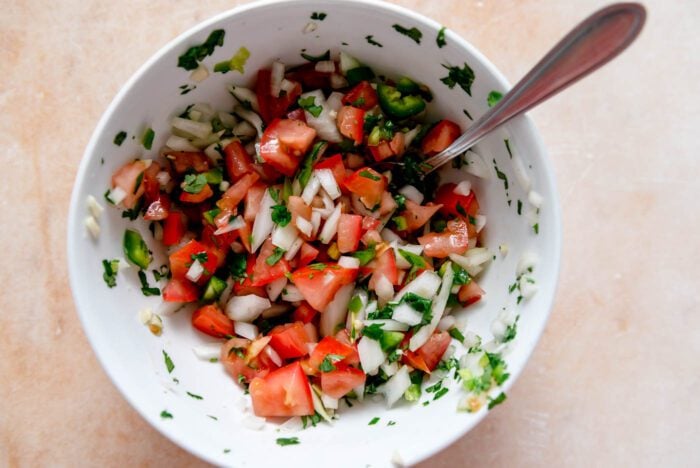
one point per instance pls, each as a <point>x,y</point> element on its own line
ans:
<point>339,382</point>
<point>433,350</point>
<point>304,313</point>
<point>237,192</point>
<point>455,239</point>
<point>289,340</point>
<point>198,197</point>
<point>181,260</point>
<point>180,290</point>
<point>211,320</point>
<point>284,143</point>
<point>272,107</point>
<point>127,178</point>
<point>184,161</point>
<point>319,283</point>
<point>264,273</point>
<point>335,164</point>
<point>362,96</point>
<point>246,360</point>
<point>417,215</point>
<point>237,160</point>
<point>159,208</point>
<point>307,254</point>
<point>454,204</point>
<point>386,149</point>
<point>440,137</point>
<point>245,287</point>
<point>349,232</point>
<point>368,184</point>
<point>350,122</point>
<point>174,228</point>
<point>331,345</point>
<point>282,392</point>
<point>470,293</point>
<point>253,198</point>
<point>385,265</point>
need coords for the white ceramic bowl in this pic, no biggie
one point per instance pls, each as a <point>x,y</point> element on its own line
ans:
<point>133,358</point>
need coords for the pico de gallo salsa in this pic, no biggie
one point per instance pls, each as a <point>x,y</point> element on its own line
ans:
<point>300,224</point>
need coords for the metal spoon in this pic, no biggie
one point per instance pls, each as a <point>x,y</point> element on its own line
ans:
<point>591,44</point>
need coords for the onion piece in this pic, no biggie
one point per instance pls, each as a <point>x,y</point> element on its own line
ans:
<point>347,62</point>
<point>92,226</point>
<point>233,224</point>
<point>251,117</point>
<point>291,253</point>
<point>395,387</point>
<point>390,236</point>
<point>329,402</point>
<point>179,143</point>
<point>116,195</point>
<point>246,330</point>
<point>195,271</point>
<point>463,188</point>
<point>330,228</point>
<point>263,224</point>
<point>371,354</point>
<point>275,288</point>
<point>437,308</point>
<point>351,263</point>
<point>275,310</point>
<point>315,221</point>
<point>244,95</point>
<point>190,127</point>
<point>410,135</point>
<point>412,193</point>
<point>276,77</point>
<point>272,354</point>
<point>328,182</point>
<point>324,124</point>
<point>304,226</point>
<point>311,189</point>
<point>404,313</point>
<point>252,422</point>
<point>389,368</point>
<point>204,110</point>
<point>480,222</point>
<point>163,178</point>
<point>338,81</point>
<point>527,261</point>
<point>446,323</point>
<point>425,285</point>
<point>325,66</point>
<point>292,294</point>
<point>284,237</point>
<point>535,199</point>
<point>287,86</point>
<point>243,129</point>
<point>475,165</point>
<point>246,308</point>
<point>384,290</point>
<point>401,262</point>
<point>335,101</point>
<point>336,311</point>
<point>207,351</point>
<point>200,73</point>
<point>527,286</point>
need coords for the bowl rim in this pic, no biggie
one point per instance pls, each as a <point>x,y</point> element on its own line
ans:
<point>74,226</point>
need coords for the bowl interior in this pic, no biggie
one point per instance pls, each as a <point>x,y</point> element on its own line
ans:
<point>211,427</point>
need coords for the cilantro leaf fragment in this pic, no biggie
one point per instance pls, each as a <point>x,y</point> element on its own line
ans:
<point>281,215</point>
<point>413,33</point>
<point>308,103</point>
<point>284,441</point>
<point>493,98</point>
<point>146,288</point>
<point>119,138</point>
<point>195,54</point>
<point>275,256</point>
<point>111,268</point>
<point>464,77</point>
<point>194,183</point>
<point>497,401</point>
<point>440,39</point>
<point>373,421</point>
<point>168,362</point>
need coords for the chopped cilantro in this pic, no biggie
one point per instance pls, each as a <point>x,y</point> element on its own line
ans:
<point>308,103</point>
<point>320,16</point>
<point>119,138</point>
<point>460,209</point>
<point>461,276</point>
<point>464,77</point>
<point>501,175</point>
<point>493,98</point>
<point>237,266</point>
<point>281,215</point>
<point>195,396</point>
<point>111,268</point>
<point>165,415</point>
<point>284,441</point>
<point>373,332</point>
<point>536,228</point>
<point>520,207</point>
<point>466,112</point>
<point>318,266</point>
<point>365,256</point>
<point>373,421</point>
<point>194,183</point>
<point>497,401</point>
<point>162,273</point>
<point>391,423</point>
<point>371,41</point>
<point>355,304</point>
<point>307,165</point>
<point>456,334</point>
<point>507,142</point>
<point>415,260</point>
<point>440,393</point>
<point>195,54</point>
<point>227,450</point>
<point>327,363</point>
<point>400,202</point>
<point>146,288</point>
<point>212,417</point>
<point>168,362</point>
<point>275,257</point>
<point>201,257</point>
<point>413,33</point>
<point>440,39</point>
<point>435,387</point>
<point>318,58</point>
<point>147,138</point>
<point>511,332</point>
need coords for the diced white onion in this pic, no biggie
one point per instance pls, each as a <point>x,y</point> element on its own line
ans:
<point>233,224</point>
<point>92,226</point>
<point>273,355</point>
<point>390,368</point>
<point>292,251</point>
<point>275,288</point>
<point>328,182</point>
<point>404,313</point>
<point>410,135</point>
<point>284,237</point>
<point>252,422</point>
<point>226,293</point>
<point>338,81</point>
<point>276,77</point>
<point>205,110</point>
<point>330,228</point>
<point>334,314</point>
<point>480,222</point>
<point>167,308</point>
<point>521,173</point>
<point>475,165</point>
<point>287,86</point>
<point>310,27</point>
<point>390,236</point>
<point>244,95</point>
<point>463,188</point>
<point>315,221</point>
<point>425,285</point>
<point>292,294</point>
<point>311,189</point>
<point>325,66</point>
<point>237,247</point>
<point>401,262</point>
<point>158,231</point>
<point>304,226</point>
<point>527,286</point>
<point>227,120</point>
<point>190,127</point>
<point>244,129</point>
<point>412,193</point>
<point>117,195</point>
<point>349,262</point>
<point>263,224</point>
<point>446,323</point>
<point>246,308</point>
<point>437,309</point>
<point>527,261</point>
<point>535,199</point>
<point>324,124</point>
<point>293,424</point>
<point>371,354</point>
<point>195,271</point>
<point>329,402</point>
<point>207,351</point>
<point>251,117</point>
<point>200,73</point>
<point>472,258</point>
<point>94,207</point>
<point>224,185</point>
<point>387,324</point>
<point>246,330</point>
<point>384,290</point>
<point>395,387</point>
<point>347,62</point>
<point>163,178</point>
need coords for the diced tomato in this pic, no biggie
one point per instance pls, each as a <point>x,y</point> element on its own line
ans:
<point>388,204</point>
<point>237,192</point>
<point>151,186</point>
<point>304,313</point>
<point>199,197</point>
<point>264,273</point>
<point>289,340</point>
<point>386,149</point>
<point>180,290</point>
<point>350,122</point>
<point>414,360</point>
<point>417,215</point>
<point>298,208</point>
<point>368,184</point>
<point>159,208</point>
<point>433,349</point>
<point>273,107</point>
<point>245,232</point>
<point>237,160</point>
<point>245,287</point>
<point>129,178</point>
<point>184,161</point>
<point>440,137</point>
<point>454,204</point>
<point>335,164</point>
<point>385,265</point>
<point>369,223</point>
<point>284,143</point>
<point>181,260</point>
<point>252,201</point>
<point>307,254</point>
<point>297,114</point>
<point>455,239</point>
<point>344,337</point>
<point>339,382</point>
<point>362,95</point>
<point>174,228</point>
<point>282,392</point>
<point>309,78</point>
<point>242,357</point>
<point>267,173</point>
<point>331,345</point>
<point>349,232</point>
<point>211,320</point>
<point>319,284</point>
<point>470,293</point>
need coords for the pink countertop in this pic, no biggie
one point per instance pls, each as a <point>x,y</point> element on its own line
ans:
<point>614,380</point>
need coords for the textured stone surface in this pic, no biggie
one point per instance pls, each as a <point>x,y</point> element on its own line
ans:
<point>614,379</point>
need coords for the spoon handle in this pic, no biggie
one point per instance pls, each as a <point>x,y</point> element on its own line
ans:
<point>591,44</point>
